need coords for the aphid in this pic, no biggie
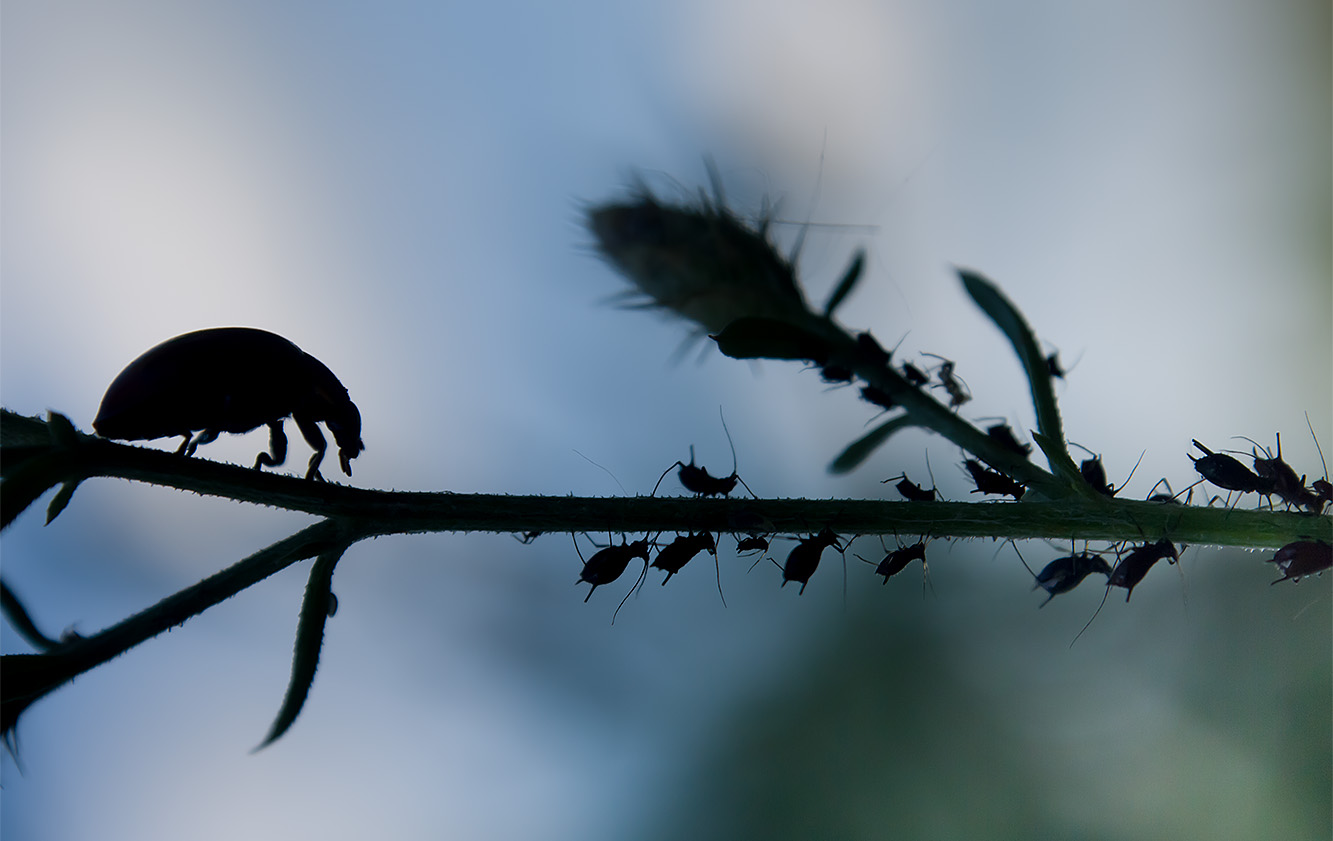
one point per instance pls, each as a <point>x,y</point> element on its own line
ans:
<point>1226,472</point>
<point>872,353</point>
<point>1001,434</point>
<point>1064,574</point>
<point>698,480</point>
<point>679,552</point>
<point>1095,474</point>
<point>1302,558</point>
<point>992,481</point>
<point>836,374</point>
<point>527,537</point>
<point>753,543</point>
<point>1167,497</point>
<point>804,557</point>
<point>1288,487</point>
<point>896,561</point>
<point>914,375</point>
<point>950,382</point>
<point>231,379</point>
<point>1323,490</point>
<point>1132,568</point>
<point>1053,366</point>
<point>608,564</point>
<point>913,492</point>
<point>878,396</point>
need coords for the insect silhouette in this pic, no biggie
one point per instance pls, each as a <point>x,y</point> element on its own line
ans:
<point>951,382</point>
<point>231,379</point>
<point>992,481</point>
<point>1094,473</point>
<point>697,480</point>
<point>608,564</point>
<point>1302,558</point>
<point>804,557</point>
<point>1001,434</point>
<point>914,375</point>
<point>1228,473</point>
<point>1064,574</point>
<point>911,491</point>
<point>1286,485</point>
<point>753,543</point>
<point>679,552</point>
<point>1132,568</point>
<point>896,561</point>
<point>878,396</point>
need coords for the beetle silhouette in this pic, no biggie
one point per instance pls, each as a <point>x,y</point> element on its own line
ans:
<point>231,379</point>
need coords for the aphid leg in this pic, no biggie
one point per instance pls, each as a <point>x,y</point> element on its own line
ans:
<point>315,438</point>
<point>207,436</point>
<point>277,442</point>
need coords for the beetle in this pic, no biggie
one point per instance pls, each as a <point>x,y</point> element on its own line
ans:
<point>231,379</point>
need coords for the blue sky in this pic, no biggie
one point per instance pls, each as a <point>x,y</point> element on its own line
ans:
<point>398,188</point>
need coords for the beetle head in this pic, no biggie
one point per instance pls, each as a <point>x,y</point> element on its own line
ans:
<point>345,424</point>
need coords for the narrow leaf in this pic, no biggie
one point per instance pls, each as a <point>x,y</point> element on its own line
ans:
<point>847,284</point>
<point>1011,322</point>
<point>19,617</point>
<point>60,500</point>
<point>860,449</point>
<point>316,608</point>
<point>62,432</point>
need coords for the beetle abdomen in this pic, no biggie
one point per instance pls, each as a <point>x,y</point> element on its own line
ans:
<point>228,379</point>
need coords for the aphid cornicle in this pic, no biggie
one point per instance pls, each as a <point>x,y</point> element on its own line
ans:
<point>231,379</point>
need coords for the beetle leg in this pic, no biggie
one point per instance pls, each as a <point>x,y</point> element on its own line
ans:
<point>315,438</point>
<point>206,436</point>
<point>277,442</point>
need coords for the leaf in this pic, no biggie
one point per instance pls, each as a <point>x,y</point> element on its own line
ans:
<point>60,500</point>
<point>847,284</point>
<point>1011,322</point>
<point>768,338</point>
<point>63,433</point>
<point>860,449</point>
<point>317,606</point>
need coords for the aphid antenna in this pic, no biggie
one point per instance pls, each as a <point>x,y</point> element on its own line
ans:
<point>604,470</point>
<point>1318,449</point>
<point>1021,559</point>
<point>734,464</point>
<point>637,585</point>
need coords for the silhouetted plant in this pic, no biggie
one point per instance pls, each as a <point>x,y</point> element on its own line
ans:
<point>705,264</point>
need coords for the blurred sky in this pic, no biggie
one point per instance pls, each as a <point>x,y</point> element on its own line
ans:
<point>398,188</point>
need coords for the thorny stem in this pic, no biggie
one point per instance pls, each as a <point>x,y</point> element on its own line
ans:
<point>376,512</point>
